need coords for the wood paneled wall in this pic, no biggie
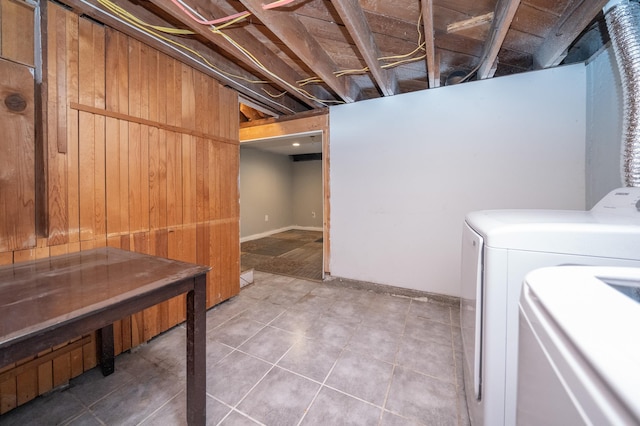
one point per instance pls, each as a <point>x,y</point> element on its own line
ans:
<point>17,121</point>
<point>142,154</point>
<point>17,31</point>
<point>17,159</point>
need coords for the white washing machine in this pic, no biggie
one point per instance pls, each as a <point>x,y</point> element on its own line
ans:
<point>579,347</point>
<point>499,247</point>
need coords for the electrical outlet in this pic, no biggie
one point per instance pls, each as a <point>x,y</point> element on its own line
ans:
<point>313,214</point>
<point>266,218</point>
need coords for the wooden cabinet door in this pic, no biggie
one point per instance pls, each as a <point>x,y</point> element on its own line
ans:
<point>17,161</point>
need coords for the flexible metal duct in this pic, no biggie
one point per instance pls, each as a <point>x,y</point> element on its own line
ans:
<point>623,24</point>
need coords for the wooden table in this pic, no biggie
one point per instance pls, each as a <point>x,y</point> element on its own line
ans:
<point>50,301</point>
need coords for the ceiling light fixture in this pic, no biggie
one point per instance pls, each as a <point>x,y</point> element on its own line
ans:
<point>296,144</point>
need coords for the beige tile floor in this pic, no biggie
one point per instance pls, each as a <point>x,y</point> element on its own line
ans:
<point>285,352</point>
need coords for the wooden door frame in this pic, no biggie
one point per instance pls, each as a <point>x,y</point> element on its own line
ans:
<point>272,128</point>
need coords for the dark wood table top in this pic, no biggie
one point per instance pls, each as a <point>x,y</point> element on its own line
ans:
<point>38,296</point>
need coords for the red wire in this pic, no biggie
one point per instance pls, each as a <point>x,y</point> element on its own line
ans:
<point>277,4</point>
<point>230,17</point>
<point>213,21</point>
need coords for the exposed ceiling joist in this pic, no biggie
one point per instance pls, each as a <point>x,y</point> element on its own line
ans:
<point>243,100</point>
<point>470,23</point>
<point>354,19</point>
<point>293,33</point>
<point>553,50</point>
<point>429,44</point>
<point>504,12</point>
<point>286,77</point>
<point>252,114</point>
<point>436,77</point>
<point>493,69</point>
<point>288,56</point>
<point>224,70</point>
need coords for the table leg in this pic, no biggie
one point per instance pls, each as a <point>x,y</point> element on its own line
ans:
<point>196,352</point>
<point>105,342</point>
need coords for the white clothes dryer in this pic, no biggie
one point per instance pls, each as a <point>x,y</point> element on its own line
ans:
<point>499,247</point>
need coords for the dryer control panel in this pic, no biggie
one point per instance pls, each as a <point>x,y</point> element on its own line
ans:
<point>623,201</point>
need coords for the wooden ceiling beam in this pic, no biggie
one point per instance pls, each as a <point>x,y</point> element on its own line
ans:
<point>250,113</point>
<point>283,105</point>
<point>436,77</point>
<point>470,23</point>
<point>284,25</point>
<point>354,19</point>
<point>272,62</point>
<point>503,15</point>
<point>575,18</point>
<point>433,68</point>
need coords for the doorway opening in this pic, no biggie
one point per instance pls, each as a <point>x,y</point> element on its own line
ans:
<point>282,205</point>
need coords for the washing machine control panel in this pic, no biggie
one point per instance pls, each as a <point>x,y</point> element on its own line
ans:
<point>624,201</point>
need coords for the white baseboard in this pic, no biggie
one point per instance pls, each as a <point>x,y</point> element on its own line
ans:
<point>308,228</point>
<point>277,231</point>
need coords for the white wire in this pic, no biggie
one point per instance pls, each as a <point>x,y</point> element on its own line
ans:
<point>256,62</point>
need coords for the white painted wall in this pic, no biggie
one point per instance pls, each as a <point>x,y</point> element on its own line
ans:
<point>307,194</point>
<point>286,191</point>
<point>266,188</point>
<point>604,126</point>
<point>406,169</point>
